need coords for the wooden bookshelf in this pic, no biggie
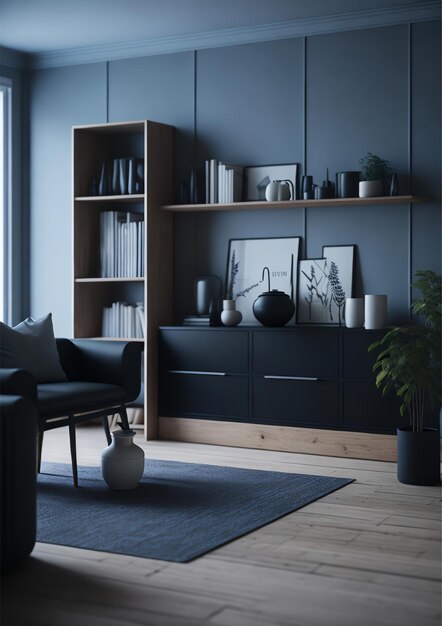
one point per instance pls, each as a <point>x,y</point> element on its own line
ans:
<point>291,204</point>
<point>91,145</point>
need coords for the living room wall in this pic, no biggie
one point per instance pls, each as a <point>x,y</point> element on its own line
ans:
<point>320,101</point>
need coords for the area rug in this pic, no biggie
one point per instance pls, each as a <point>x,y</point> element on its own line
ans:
<point>178,512</point>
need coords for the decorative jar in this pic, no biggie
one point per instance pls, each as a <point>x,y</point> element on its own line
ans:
<point>122,463</point>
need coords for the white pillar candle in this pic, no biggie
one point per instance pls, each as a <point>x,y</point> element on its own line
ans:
<point>354,312</point>
<point>375,312</point>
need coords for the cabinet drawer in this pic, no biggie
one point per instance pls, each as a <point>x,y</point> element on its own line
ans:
<point>204,395</point>
<point>204,350</point>
<point>365,407</point>
<point>289,402</point>
<point>297,353</point>
<point>357,362</point>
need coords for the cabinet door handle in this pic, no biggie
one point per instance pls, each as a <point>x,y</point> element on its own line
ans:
<point>291,378</point>
<point>196,373</point>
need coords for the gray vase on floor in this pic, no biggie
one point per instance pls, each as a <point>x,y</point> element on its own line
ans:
<point>122,463</point>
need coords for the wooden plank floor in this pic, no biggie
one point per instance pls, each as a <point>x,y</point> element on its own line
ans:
<point>368,554</point>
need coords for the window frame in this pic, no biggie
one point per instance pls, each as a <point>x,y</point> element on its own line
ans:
<point>5,244</point>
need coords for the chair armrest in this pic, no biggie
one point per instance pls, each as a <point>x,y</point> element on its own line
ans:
<point>112,362</point>
<point>16,382</point>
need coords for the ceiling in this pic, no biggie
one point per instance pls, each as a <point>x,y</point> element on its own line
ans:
<point>38,26</point>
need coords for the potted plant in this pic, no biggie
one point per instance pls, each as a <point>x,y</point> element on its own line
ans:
<point>374,175</point>
<point>409,363</point>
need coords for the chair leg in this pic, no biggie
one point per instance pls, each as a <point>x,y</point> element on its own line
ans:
<point>124,420</point>
<point>73,451</point>
<point>105,420</point>
<point>39,448</point>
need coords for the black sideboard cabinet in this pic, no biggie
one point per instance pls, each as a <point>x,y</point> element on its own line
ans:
<point>309,376</point>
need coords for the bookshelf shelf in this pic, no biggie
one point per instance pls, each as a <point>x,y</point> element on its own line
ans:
<point>291,204</point>
<point>134,197</point>
<point>133,339</point>
<point>137,279</point>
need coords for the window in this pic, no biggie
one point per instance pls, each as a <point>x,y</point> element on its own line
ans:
<point>5,195</point>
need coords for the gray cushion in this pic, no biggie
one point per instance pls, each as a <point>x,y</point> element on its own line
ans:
<point>31,346</point>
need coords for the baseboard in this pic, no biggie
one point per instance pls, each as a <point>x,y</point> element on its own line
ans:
<point>353,445</point>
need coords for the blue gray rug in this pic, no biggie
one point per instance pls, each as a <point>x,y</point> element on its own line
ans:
<point>179,510</point>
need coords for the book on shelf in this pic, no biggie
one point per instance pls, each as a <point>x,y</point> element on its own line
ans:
<point>201,320</point>
<point>123,320</point>
<point>224,182</point>
<point>121,244</point>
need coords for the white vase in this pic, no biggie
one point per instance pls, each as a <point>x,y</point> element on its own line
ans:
<point>371,188</point>
<point>354,312</point>
<point>229,315</point>
<point>122,463</point>
<point>375,312</point>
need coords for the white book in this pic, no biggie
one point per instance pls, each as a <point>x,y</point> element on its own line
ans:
<point>133,249</point>
<point>140,313</point>
<point>213,181</point>
<point>220,182</point>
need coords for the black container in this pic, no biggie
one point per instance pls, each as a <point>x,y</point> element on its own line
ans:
<point>418,456</point>
<point>273,308</point>
<point>347,184</point>
<point>307,185</point>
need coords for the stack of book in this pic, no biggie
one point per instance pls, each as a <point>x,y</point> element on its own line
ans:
<point>124,320</point>
<point>121,244</point>
<point>201,320</point>
<point>224,182</point>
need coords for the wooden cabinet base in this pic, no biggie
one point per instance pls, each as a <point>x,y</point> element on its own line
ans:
<point>340,443</point>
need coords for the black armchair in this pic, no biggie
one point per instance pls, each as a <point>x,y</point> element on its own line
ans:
<point>102,378</point>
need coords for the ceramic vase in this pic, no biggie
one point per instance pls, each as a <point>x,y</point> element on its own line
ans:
<point>371,188</point>
<point>229,315</point>
<point>375,312</point>
<point>354,312</point>
<point>122,463</point>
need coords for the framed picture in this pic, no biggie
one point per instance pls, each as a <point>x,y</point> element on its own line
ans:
<point>340,263</point>
<point>324,284</point>
<point>246,261</point>
<point>314,291</point>
<point>257,179</point>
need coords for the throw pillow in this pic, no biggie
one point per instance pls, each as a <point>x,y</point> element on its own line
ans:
<point>31,346</point>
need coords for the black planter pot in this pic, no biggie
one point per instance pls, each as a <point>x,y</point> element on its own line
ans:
<point>418,456</point>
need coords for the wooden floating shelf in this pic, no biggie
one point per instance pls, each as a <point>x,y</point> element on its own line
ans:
<point>133,197</point>
<point>290,204</point>
<point>110,280</point>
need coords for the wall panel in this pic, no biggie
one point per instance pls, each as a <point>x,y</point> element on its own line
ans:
<point>60,98</point>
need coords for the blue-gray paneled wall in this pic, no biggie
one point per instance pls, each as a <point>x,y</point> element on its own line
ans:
<point>320,101</point>
<point>59,98</point>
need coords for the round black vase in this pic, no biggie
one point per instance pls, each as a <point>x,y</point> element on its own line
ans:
<point>418,456</point>
<point>273,308</point>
